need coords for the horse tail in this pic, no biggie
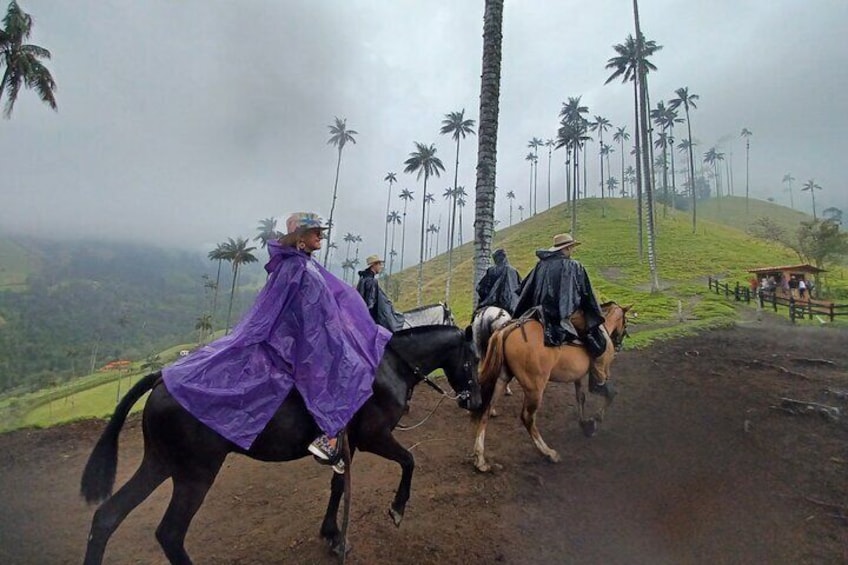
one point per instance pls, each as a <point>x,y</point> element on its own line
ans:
<point>98,478</point>
<point>490,370</point>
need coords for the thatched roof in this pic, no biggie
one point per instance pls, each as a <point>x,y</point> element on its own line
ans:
<point>803,268</point>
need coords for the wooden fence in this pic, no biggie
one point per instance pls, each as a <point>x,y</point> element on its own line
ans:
<point>797,308</point>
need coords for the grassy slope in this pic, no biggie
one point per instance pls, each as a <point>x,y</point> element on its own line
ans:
<point>719,249</point>
<point>609,252</point>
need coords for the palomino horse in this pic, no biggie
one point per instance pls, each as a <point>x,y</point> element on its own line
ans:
<point>431,315</point>
<point>519,351</point>
<point>179,447</point>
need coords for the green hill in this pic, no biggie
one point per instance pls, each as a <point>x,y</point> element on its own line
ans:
<point>610,254</point>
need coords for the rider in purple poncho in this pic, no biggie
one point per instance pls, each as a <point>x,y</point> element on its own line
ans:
<point>307,330</point>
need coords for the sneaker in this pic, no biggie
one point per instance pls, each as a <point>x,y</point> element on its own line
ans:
<point>324,452</point>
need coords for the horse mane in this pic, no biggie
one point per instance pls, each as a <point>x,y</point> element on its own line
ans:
<point>606,305</point>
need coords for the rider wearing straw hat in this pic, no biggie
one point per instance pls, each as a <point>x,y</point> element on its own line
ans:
<point>379,305</point>
<point>560,286</point>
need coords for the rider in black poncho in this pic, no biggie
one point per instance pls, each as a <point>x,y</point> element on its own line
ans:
<point>379,305</point>
<point>499,286</point>
<point>560,285</point>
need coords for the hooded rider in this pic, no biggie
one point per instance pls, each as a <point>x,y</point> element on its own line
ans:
<point>499,286</point>
<point>561,287</point>
<point>379,305</point>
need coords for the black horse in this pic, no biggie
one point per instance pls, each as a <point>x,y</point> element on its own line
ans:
<point>178,446</point>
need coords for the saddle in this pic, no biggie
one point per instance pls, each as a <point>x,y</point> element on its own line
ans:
<point>595,341</point>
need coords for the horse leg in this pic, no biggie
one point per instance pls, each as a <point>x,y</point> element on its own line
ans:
<point>493,411</point>
<point>589,426</point>
<point>111,513</point>
<point>329,527</point>
<point>387,447</point>
<point>480,462</point>
<point>188,495</point>
<point>532,402</point>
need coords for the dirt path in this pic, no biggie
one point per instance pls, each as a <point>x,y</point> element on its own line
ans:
<point>693,465</point>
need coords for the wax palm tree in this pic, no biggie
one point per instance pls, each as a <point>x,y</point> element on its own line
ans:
<point>812,187</point>
<point>612,185</point>
<point>237,253</point>
<point>218,254</point>
<point>461,195</point>
<point>22,61</point>
<point>510,196</point>
<point>203,325</point>
<point>407,197</point>
<point>662,142</point>
<point>632,57</point>
<point>520,213</point>
<point>600,125</point>
<point>630,177</point>
<point>392,255</point>
<point>350,239</point>
<point>487,137</point>
<point>340,136</point>
<point>534,144</point>
<point>530,158</point>
<point>620,136</point>
<point>572,135</point>
<point>433,240</point>
<point>391,178</point>
<point>267,229</point>
<point>712,157</point>
<point>429,199</point>
<point>458,127</point>
<point>788,178</point>
<point>688,101</point>
<point>393,220</point>
<point>550,145</point>
<point>357,240</point>
<point>348,265</point>
<point>746,134</point>
<point>424,162</point>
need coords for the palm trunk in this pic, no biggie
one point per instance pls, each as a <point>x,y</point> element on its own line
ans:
<point>510,212</point>
<point>423,242</point>
<point>391,251</point>
<point>574,189</point>
<point>691,171</point>
<point>215,296</point>
<point>333,208</point>
<point>747,162</point>
<point>403,234</point>
<point>232,296</point>
<point>813,195</point>
<point>665,179</point>
<point>452,226</point>
<point>585,181</point>
<point>646,156</point>
<point>673,182</point>
<point>386,235</point>
<point>487,139</point>
<point>535,180</point>
<point>549,177</point>
<point>623,183</point>
<point>638,141</point>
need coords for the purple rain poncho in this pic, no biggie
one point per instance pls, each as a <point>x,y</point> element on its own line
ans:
<point>308,330</point>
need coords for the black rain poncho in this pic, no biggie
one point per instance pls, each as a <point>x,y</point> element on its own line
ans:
<point>500,285</point>
<point>560,286</point>
<point>379,305</point>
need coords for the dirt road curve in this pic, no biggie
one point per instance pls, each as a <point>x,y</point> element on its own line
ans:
<point>693,465</point>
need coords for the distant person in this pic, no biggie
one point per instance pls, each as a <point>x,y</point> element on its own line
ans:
<point>560,285</point>
<point>802,289</point>
<point>379,305</point>
<point>499,286</point>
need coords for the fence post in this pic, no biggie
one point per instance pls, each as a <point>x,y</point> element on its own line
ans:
<point>710,282</point>
<point>760,296</point>
<point>736,292</point>
<point>831,312</point>
<point>792,309</point>
<point>809,309</point>
<point>774,300</point>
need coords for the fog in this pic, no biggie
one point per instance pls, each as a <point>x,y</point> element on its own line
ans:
<point>184,123</point>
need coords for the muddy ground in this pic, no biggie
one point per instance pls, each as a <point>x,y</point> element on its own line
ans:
<point>694,464</point>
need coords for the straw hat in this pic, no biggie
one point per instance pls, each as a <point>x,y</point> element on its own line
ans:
<point>373,259</point>
<point>563,241</point>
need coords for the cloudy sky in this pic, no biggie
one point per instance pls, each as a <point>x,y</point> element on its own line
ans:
<point>185,122</point>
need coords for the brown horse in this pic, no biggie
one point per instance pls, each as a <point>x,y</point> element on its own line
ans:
<point>518,351</point>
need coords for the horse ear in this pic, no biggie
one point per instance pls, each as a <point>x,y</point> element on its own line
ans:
<point>469,333</point>
<point>627,308</point>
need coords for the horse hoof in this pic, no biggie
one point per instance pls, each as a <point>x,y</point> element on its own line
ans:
<point>396,516</point>
<point>493,413</point>
<point>589,427</point>
<point>338,547</point>
<point>553,457</point>
<point>508,391</point>
<point>483,467</point>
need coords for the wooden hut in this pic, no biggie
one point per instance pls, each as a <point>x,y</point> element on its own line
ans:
<point>784,279</point>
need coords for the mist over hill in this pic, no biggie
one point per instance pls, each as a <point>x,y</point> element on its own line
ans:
<point>68,306</point>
